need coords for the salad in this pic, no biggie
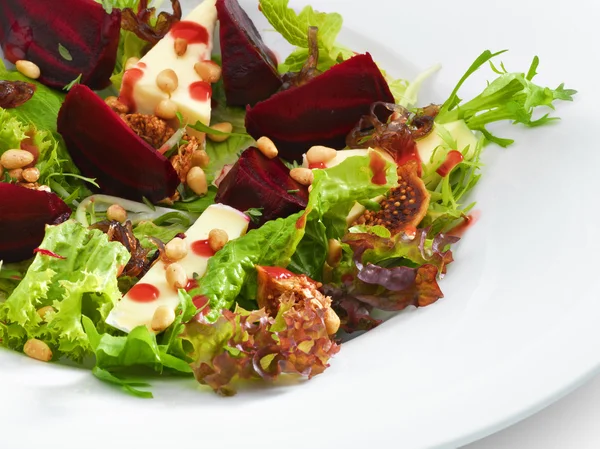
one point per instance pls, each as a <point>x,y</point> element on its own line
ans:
<point>167,208</point>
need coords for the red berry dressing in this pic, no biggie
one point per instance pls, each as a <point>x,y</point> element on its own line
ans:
<point>143,293</point>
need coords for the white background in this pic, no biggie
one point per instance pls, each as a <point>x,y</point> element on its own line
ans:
<point>571,423</point>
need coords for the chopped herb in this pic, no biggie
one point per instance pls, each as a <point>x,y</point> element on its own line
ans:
<point>77,80</point>
<point>64,53</point>
<point>291,165</point>
<point>199,126</point>
<point>148,203</point>
<point>293,191</point>
<point>254,213</point>
<point>181,119</point>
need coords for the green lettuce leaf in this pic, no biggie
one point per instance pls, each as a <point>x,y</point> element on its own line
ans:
<point>294,28</point>
<point>37,118</point>
<point>81,281</point>
<point>231,271</point>
<point>141,351</point>
<point>165,233</point>
<point>130,46</point>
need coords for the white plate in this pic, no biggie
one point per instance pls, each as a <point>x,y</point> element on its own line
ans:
<point>519,325</point>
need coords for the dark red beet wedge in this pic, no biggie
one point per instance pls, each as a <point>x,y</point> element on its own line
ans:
<point>24,215</point>
<point>249,67</point>
<point>35,29</point>
<point>321,112</point>
<point>105,148</point>
<point>258,182</point>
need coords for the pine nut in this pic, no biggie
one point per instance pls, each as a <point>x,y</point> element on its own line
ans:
<point>167,81</point>
<point>28,69</point>
<point>267,147</point>
<point>200,158</point>
<point>196,180</point>
<point>176,249</point>
<point>31,174</point>
<point>180,46</point>
<point>334,252</point>
<point>332,321</point>
<point>224,127</point>
<point>320,154</point>
<point>131,62</point>
<point>302,176</point>
<point>37,349</point>
<point>16,174</point>
<point>116,213</point>
<point>208,71</point>
<point>166,109</point>
<point>116,105</point>
<point>217,239</point>
<point>16,159</point>
<point>45,189</point>
<point>176,277</point>
<point>43,311</point>
<point>163,317</point>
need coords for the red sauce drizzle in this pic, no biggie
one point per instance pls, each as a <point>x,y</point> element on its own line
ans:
<point>200,91</point>
<point>45,252</point>
<point>301,222</point>
<point>278,272</point>
<point>377,165</point>
<point>192,284</point>
<point>143,293</point>
<point>130,79</point>
<point>468,221</point>
<point>452,160</point>
<point>202,248</point>
<point>192,32</point>
<point>319,165</point>
<point>201,302</point>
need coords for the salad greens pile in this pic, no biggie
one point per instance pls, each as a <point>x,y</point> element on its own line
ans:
<point>63,295</point>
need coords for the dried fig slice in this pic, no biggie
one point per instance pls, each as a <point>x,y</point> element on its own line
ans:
<point>405,206</point>
<point>15,93</point>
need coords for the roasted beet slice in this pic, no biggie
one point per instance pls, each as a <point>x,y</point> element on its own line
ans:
<point>105,148</point>
<point>41,30</point>
<point>249,66</point>
<point>24,214</point>
<point>321,112</point>
<point>258,182</point>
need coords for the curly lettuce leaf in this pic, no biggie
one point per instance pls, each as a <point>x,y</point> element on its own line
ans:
<point>294,28</point>
<point>254,346</point>
<point>82,281</point>
<point>231,271</point>
<point>512,96</point>
<point>35,123</point>
<point>10,276</point>
<point>400,249</point>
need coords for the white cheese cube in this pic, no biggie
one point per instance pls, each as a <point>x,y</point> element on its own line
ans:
<point>139,90</point>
